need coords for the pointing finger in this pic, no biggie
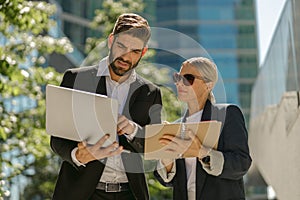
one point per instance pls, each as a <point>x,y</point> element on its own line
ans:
<point>82,144</point>
<point>121,118</point>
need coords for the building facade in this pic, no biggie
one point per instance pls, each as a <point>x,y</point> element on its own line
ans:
<point>226,30</point>
<point>75,20</point>
<point>275,121</point>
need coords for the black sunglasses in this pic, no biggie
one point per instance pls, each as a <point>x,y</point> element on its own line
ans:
<point>187,79</point>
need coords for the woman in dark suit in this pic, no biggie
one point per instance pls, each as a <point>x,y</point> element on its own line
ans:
<point>207,174</point>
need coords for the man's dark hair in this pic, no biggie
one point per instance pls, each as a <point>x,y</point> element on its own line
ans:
<point>133,25</point>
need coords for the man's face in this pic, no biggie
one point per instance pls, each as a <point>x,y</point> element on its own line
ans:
<point>125,53</point>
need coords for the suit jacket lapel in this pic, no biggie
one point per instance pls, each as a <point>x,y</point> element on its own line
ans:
<point>180,182</point>
<point>207,112</point>
<point>132,94</point>
<point>101,85</point>
<point>200,179</point>
<point>90,82</point>
<point>201,174</point>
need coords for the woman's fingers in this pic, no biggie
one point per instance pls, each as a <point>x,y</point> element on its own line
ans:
<point>193,137</point>
<point>191,134</point>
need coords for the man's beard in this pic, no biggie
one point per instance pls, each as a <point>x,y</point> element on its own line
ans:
<point>120,71</point>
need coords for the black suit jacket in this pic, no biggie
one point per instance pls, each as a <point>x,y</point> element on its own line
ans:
<point>143,106</point>
<point>233,143</point>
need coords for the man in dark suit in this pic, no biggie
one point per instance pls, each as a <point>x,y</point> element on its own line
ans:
<point>96,172</point>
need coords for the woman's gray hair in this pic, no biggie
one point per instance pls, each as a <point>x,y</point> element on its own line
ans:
<point>208,70</point>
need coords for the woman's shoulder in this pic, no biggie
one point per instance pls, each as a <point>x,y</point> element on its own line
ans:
<point>226,111</point>
<point>227,107</point>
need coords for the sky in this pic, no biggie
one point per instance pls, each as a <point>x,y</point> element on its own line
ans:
<point>268,13</point>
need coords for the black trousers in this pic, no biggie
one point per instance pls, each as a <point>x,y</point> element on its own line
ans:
<point>102,195</point>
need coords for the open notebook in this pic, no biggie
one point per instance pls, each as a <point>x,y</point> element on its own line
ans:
<point>208,132</point>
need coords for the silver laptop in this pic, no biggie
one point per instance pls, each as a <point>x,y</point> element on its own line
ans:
<point>80,116</point>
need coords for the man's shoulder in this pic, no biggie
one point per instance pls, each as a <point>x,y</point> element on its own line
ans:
<point>83,69</point>
<point>81,75</point>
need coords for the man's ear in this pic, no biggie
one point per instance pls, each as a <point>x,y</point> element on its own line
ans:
<point>145,49</point>
<point>110,40</point>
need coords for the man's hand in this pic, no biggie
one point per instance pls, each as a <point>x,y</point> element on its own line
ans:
<point>125,126</point>
<point>87,153</point>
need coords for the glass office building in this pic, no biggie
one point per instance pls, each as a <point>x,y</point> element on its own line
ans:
<point>76,17</point>
<point>226,30</point>
<point>75,20</point>
<point>279,72</point>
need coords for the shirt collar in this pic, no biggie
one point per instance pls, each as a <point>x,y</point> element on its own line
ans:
<point>103,67</point>
<point>196,117</point>
<point>104,71</point>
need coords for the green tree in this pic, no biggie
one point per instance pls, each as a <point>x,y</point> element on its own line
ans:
<point>24,45</point>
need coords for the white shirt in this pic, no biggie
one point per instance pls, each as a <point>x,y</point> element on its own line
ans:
<point>215,168</point>
<point>190,163</point>
<point>114,171</point>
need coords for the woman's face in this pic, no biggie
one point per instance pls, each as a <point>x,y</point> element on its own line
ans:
<point>197,91</point>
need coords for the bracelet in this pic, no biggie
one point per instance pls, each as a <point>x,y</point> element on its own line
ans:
<point>206,159</point>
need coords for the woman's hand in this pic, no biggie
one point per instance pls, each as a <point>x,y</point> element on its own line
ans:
<point>190,147</point>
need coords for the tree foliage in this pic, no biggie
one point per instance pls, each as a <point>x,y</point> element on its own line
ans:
<point>24,45</point>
